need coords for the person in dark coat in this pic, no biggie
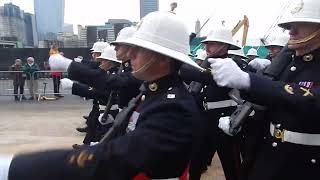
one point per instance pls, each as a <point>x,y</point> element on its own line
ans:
<point>18,80</point>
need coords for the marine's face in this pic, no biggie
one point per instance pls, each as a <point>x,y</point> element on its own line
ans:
<point>145,63</point>
<point>274,51</point>
<point>251,57</point>
<point>105,64</point>
<point>199,61</point>
<point>301,30</point>
<point>139,57</point>
<point>95,55</point>
<point>121,51</point>
<point>215,49</point>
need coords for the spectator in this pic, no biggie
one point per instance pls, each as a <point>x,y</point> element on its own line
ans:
<point>18,79</point>
<point>31,77</point>
<point>54,49</point>
<point>46,65</point>
<point>56,76</point>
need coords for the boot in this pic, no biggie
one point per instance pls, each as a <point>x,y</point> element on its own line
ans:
<point>83,130</point>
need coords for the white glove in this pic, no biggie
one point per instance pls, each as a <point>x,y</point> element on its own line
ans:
<point>259,64</point>
<point>224,125</point>
<point>227,73</point>
<point>77,60</point>
<point>59,63</point>
<point>109,120</point>
<point>5,161</point>
<point>66,84</point>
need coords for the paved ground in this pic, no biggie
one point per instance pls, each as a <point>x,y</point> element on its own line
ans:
<point>27,126</point>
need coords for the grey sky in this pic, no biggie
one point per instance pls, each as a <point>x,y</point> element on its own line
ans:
<point>261,13</point>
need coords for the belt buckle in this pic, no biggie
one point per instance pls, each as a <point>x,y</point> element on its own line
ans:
<point>279,134</point>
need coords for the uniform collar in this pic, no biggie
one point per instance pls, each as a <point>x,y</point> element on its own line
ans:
<point>309,57</point>
<point>163,83</point>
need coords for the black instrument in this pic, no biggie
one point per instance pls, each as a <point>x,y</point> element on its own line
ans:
<point>245,108</point>
<point>122,119</point>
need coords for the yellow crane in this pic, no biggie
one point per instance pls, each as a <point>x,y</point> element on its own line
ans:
<point>245,24</point>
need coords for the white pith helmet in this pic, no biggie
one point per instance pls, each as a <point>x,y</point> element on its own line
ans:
<point>164,33</point>
<point>222,35</point>
<point>124,34</point>
<point>281,41</point>
<point>252,52</point>
<point>238,52</point>
<point>99,47</point>
<point>303,11</point>
<point>109,54</point>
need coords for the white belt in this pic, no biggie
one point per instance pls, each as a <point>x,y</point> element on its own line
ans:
<point>295,137</point>
<point>113,107</point>
<point>219,104</point>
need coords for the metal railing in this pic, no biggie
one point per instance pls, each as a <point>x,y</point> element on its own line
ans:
<point>49,84</point>
<point>34,86</point>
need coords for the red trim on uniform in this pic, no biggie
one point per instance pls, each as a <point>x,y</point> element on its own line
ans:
<point>141,176</point>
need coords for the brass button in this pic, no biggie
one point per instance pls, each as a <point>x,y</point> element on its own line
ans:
<point>143,97</point>
<point>274,144</point>
<point>293,68</point>
<point>308,57</point>
<point>313,161</point>
<point>153,87</point>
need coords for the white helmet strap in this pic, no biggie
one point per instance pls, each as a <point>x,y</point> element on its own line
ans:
<point>145,66</point>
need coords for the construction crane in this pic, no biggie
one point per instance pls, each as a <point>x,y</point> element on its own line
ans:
<point>245,24</point>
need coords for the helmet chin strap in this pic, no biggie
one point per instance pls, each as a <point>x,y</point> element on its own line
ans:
<point>305,45</point>
<point>304,40</point>
<point>145,66</point>
<point>216,52</point>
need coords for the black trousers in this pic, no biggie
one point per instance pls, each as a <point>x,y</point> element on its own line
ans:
<point>56,84</point>
<point>286,161</point>
<point>227,148</point>
<point>253,133</point>
<point>92,123</point>
<point>17,87</point>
